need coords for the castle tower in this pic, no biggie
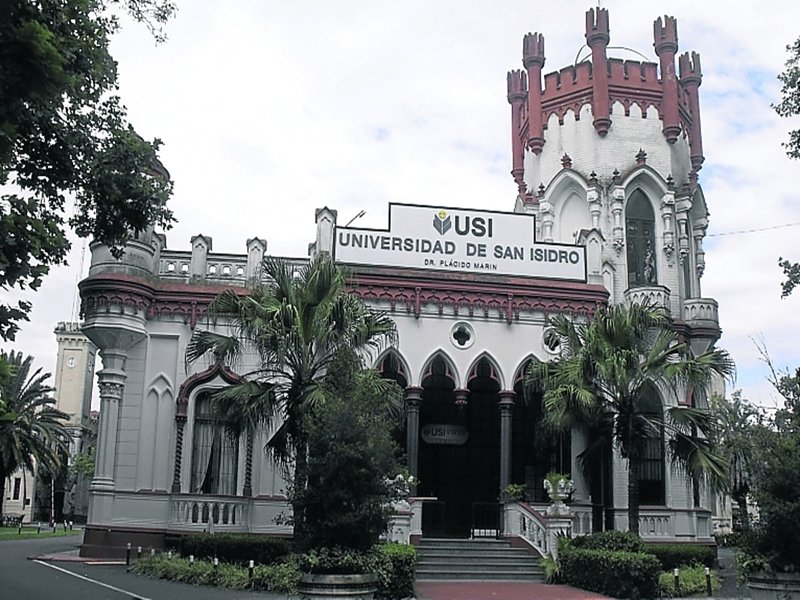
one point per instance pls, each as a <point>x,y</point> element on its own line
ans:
<point>74,372</point>
<point>606,154</point>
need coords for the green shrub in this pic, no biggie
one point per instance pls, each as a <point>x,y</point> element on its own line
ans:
<point>235,548</point>
<point>611,540</point>
<point>692,582</point>
<point>613,573</point>
<point>680,555</point>
<point>280,577</point>
<point>338,561</point>
<point>395,565</point>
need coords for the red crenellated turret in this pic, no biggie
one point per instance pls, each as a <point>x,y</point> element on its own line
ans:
<point>665,34</point>
<point>517,93</point>
<point>597,37</point>
<point>533,59</point>
<point>691,77</point>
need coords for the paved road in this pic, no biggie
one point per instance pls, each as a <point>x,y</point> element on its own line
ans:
<point>24,579</point>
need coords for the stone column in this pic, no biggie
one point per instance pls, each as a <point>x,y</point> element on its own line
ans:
<point>247,489</point>
<point>577,446</point>
<point>506,414</point>
<point>111,381</point>
<point>180,422</point>
<point>413,400</point>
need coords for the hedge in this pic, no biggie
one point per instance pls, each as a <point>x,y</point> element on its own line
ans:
<point>395,571</point>
<point>682,555</point>
<point>235,548</point>
<point>610,540</point>
<point>612,573</point>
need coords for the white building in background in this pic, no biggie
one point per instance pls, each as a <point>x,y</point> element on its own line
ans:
<point>607,208</point>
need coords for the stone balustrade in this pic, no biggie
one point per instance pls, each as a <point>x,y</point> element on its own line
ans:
<point>700,310</point>
<point>655,295</point>
<point>209,513</point>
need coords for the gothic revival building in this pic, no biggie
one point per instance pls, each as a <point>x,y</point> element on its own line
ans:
<point>605,158</point>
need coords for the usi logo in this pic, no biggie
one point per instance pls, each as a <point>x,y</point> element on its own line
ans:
<point>475,226</point>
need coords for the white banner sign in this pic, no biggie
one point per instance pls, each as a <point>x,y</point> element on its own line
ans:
<point>462,240</point>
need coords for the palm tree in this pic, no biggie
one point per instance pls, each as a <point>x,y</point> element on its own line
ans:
<point>32,430</point>
<point>294,325</point>
<point>610,367</point>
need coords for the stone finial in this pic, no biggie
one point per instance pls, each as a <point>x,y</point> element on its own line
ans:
<point>592,178</point>
<point>641,157</point>
<point>517,86</point>
<point>566,161</point>
<point>540,194</point>
<point>670,182</point>
<point>615,177</point>
<point>665,35</point>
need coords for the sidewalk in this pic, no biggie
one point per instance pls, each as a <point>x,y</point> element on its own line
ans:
<point>499,590</point>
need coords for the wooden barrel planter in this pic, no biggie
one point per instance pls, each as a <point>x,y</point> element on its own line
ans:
<point>337,587</point>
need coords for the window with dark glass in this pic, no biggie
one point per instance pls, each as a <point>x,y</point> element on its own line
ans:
<point>17,485</point>
<point>651,467</point>
<point>640,240</point>
<point>215,456</point>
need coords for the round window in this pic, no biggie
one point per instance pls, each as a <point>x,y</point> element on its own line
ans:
<point>552,341</point>
<point>462,335</point>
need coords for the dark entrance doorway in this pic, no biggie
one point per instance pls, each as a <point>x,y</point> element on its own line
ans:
<point>459,452</point>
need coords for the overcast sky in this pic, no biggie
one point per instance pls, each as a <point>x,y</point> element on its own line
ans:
<point>270,109</point>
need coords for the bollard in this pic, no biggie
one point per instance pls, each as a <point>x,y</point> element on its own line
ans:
<point>250,568</point>
<point>54,526</point>
<point>128,555</point>
<point>19,528</point>
<point>676,574</point>
<point>65,526</point>
<point>138,552</point>
<point>71,524</point>
<point>169,554</point>
<point>191,559</point>
<point>708,582</point>
<point>38,527</point>
<point>152,552</point>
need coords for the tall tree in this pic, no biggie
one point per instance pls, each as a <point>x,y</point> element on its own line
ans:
<point>789,106</point>
<point>294,326</point>
<point>64,134</point>
<point>738,431</point>
<point>34,434</point>
<point>609,367</point>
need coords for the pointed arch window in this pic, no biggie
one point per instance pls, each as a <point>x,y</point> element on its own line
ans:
<point>641,240</point>
<point>215,456</point>
<point>652,465</point>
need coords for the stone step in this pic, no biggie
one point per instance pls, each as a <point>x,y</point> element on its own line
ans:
<point>482,559</point>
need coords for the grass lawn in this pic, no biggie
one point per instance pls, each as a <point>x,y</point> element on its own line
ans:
<point>28,533</point>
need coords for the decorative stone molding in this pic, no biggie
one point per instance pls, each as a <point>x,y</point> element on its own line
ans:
<point>656,295</point>
<point>111,390</point>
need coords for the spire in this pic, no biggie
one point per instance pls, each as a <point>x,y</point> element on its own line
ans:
<point>533,60</point>
<point>665,41</point>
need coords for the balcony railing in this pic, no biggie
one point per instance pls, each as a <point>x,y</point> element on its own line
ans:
<point>701,310</point>
<point>209,513</point>
<point>655,295</point>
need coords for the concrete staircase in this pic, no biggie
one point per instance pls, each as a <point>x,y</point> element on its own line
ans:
<point>446,559</point>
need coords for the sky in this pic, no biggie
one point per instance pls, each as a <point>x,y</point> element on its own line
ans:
<point>270,109</point>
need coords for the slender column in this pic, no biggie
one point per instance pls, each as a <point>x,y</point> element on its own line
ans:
<point>413,400</point>
<point>506,414</point>
<point>112,387</point>
<point>665,35</point>
<point>248,466</point>
<point>180,422</point>
<point>533,59</point>
<point>691,77</point>
<point>577,446</point>
<point>517,92</point>
<point>597,37</point>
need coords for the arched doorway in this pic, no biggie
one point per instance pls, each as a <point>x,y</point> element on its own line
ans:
<point>459,450</point>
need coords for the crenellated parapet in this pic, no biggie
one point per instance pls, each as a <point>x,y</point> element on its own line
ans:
<point>605,84</point>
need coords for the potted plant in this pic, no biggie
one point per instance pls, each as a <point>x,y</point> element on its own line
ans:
<point>558,486</point>
<point>347,499</point>
<point>769,554</point>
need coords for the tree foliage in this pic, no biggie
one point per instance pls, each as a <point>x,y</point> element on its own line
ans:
<point>789,106</point>
<point>294,327</point>
<point>34,434</point>
<point>351,458</point>
<point>65,137</point>
<point>739,432</point>
<point>609,367</point>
